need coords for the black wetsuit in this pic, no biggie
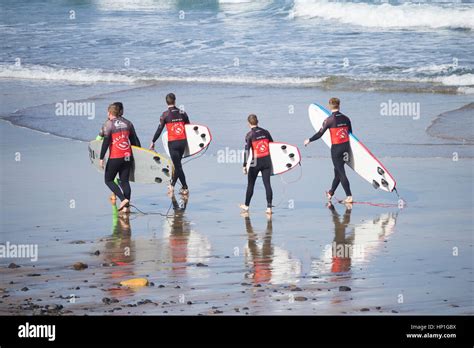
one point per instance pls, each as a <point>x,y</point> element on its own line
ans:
<point>340,127</point>
<point>257,140</point>
<point>119,135</point>
<point>174,119</point>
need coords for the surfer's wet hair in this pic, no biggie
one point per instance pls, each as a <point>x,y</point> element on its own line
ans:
<point>335,102</point>
<point>252,119</point>
<point>170,99</point>
<point>120,106</point>
<point>116,109</point>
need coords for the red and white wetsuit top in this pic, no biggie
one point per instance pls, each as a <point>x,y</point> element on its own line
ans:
<point>119,130</point>
<point>174,120</point>
<point>258,139</point>
<point>339,126</point>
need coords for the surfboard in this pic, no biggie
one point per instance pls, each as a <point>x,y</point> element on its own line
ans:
<point>198,139</point>
<point>362,161</point>
<point>284,157</point>
<point>149,167</point>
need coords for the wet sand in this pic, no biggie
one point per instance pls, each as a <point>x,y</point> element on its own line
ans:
<point>204,258</point>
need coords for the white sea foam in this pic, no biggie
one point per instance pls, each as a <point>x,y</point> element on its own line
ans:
<point>387,16</point>
<point>90,76</point>
<point>456,80</point>
<point>39,72</point>
<point>134,5</point>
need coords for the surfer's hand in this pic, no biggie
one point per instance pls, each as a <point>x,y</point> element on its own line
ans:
<point>102,164</point>
<point>306,142</point>
<point>244,169</point>
<point>152,146</point>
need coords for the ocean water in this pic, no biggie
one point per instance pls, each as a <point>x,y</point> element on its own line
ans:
<point>359,45</point>
<point>226,59</point>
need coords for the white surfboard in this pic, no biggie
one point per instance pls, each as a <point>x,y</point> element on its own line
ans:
<point>149,167</point>
<point>284,157</point>
<point>362,161</point>
<point>198,137</point>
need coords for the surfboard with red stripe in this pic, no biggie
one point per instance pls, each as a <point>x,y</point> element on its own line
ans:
<point>362,161</point>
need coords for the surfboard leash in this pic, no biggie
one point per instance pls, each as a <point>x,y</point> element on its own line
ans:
<point>288,183</point>
<point>195,157</point>
<point>167,214</point>
<point>381,205</point>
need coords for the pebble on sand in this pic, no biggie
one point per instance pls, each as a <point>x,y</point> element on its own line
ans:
<point>135,282</point>
<point>108,301</point>
<point>79,266</point>
<point>300,298</point>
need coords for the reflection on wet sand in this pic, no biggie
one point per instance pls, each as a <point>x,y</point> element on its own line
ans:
<point>183,245</point>
<point>352,245</point>
<point>178,251</point>
<point>268,263</point>
<point>119,251</point>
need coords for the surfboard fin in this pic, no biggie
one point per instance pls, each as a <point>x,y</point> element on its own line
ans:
<point>157,159</point>
<point>288,165</point>
<point>375,184</point>
<point>166,171</point>
<point>384,182</point>
<point>158,180</point>
<point>283,147</point>
<point>291,155</point>
<point>196,128</point>
<point>380,171</point>
<point>201,145</point>
<point>203,135</point>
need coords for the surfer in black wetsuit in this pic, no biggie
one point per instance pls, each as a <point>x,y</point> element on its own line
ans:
<point>119,136</point>
<point>339,127</point>
<point>100,136</point>
<point>174,119</point>
<point>258,141</point>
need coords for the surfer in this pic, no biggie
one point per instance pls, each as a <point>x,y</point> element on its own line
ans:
<point>339,126</point>
<point>100,136</point>
<point>257,140</point>
<point>174,119</point>
<point>119,135</point>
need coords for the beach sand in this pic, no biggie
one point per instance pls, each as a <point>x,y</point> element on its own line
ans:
<point>208,259</point>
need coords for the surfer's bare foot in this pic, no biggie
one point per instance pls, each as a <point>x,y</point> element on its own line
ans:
<point>124,204</point>
<point>184,192</point>
<point>125,210</point>
<point>329,195</point>
<point>348,200</point>
<point>269,212</point>
<point>170,188</point>
<point>244,208</point>
<point>113,199</point>
<point>348,206</point>
<point>244,214</point>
